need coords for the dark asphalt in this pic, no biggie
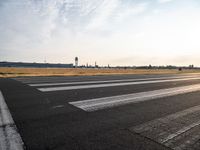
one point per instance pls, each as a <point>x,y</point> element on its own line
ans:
<point>46,121</point>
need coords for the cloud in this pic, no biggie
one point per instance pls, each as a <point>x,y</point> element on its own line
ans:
<point>41,20</point>
<point>165,1</point>
<point>132,9</point>
<point>103,13</point>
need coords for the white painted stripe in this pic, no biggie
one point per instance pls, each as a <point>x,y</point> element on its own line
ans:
<point>87,82</point>
<point>106,102</point>
<point>107,81</point>
<point>9,137</point>
<point>5,116</point>
<point>49,89</point>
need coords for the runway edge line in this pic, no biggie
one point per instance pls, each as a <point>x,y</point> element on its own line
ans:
<point>10,139</point>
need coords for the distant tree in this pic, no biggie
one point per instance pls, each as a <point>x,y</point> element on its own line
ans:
<point>191,66</point>
<point>150,66</point>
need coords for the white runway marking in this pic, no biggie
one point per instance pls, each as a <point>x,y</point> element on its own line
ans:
<point>177,131</point>
<point>9,137</point>
<point>106,102</point>
<point>49,89</point>
<point>107,81</point>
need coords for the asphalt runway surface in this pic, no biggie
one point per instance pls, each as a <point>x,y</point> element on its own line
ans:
<point>120,112</point>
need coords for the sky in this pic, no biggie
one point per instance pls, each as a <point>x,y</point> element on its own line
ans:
<point>115,32</point>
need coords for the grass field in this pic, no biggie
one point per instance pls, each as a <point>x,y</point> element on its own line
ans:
<point>14,72</point>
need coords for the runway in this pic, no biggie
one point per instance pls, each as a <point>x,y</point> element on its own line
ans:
<point>102,112</point>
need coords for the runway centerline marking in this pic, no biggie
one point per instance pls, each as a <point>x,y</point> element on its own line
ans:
<point>9,137</point>
<point>49,89</point>
<point>113,101</point>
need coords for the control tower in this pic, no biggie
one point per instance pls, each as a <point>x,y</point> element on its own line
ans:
<point>76,62</point>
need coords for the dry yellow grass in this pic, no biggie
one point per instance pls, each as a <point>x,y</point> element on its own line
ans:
<point>14,72</point>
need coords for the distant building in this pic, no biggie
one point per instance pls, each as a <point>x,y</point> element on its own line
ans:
<point>95,65</point>
<point>34,65</point>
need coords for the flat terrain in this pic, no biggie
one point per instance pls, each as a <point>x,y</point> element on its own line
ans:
<point>121,112</point>
<point>14,72</point>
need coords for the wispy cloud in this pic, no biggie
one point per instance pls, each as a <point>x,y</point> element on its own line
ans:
<point>103,14</point>
<point>165,1</point>
<point>132,9</point>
